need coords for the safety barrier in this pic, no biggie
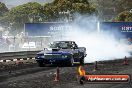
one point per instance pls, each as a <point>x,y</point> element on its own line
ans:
<point>15,56</point>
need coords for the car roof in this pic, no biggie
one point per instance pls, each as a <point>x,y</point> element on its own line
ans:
<point>63,41</point>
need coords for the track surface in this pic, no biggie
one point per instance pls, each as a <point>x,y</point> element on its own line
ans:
<point>33,76</point>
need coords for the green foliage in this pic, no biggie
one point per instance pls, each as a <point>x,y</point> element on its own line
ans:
<point>123,5</point>
<point>23,13</point>
<point>73,6</point>
<point>110,8</point>
<point>3,9</point>
<point>71,1</point>
<point>124,16</point>
<point>33,11</point>
<point>18,16</point>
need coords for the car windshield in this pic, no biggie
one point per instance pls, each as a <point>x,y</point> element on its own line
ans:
<point>63,45</point>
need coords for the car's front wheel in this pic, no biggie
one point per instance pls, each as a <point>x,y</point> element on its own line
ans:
<point>40,64</point>
<point>71,62</point>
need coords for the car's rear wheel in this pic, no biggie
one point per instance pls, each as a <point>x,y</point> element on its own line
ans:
<point>41,64</point>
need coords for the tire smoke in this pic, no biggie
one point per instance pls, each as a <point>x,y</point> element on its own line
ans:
<point>100,45</point>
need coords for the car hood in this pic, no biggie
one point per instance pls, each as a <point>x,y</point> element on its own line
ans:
<point>59,51</point>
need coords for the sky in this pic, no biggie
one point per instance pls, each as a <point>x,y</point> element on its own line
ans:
<point>13,3</point>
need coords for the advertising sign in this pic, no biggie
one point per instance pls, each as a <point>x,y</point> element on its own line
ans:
<point>45,29</point>
<point>123,28</point>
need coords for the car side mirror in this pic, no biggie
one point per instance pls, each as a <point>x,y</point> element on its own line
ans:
<point>75,48</point>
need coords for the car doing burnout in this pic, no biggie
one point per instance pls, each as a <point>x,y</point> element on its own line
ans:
<point>61,52</point>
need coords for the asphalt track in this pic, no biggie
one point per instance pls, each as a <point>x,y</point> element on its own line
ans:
<point>33,76</point>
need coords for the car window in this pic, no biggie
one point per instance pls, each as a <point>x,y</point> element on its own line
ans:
<point>64,45</point>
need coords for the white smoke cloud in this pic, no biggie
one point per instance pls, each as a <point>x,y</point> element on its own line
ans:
<point>100,45</point>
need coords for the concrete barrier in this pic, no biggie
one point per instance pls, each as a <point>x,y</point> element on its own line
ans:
<point>15,56</point>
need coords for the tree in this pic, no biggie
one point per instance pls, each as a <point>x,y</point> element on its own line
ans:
<point>123,5</point>
<point>3,9</point>
<point>108,9</point>
<point>53,10</point>
<point>124,16</point>
<point>22,14</point>
<point>49,12</point>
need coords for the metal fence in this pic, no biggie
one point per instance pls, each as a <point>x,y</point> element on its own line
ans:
<point>24,43</point>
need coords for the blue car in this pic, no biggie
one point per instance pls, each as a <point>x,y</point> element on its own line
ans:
<point>61,52</point>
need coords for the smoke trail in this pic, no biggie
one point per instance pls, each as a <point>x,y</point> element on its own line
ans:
<point>100,45</point>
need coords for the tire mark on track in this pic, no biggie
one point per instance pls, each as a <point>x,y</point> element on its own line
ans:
<point>21,72</point>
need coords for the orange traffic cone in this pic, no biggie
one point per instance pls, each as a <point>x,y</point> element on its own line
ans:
<point>125,61</point>
<point>57,75</point>
<point>18,62</point>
